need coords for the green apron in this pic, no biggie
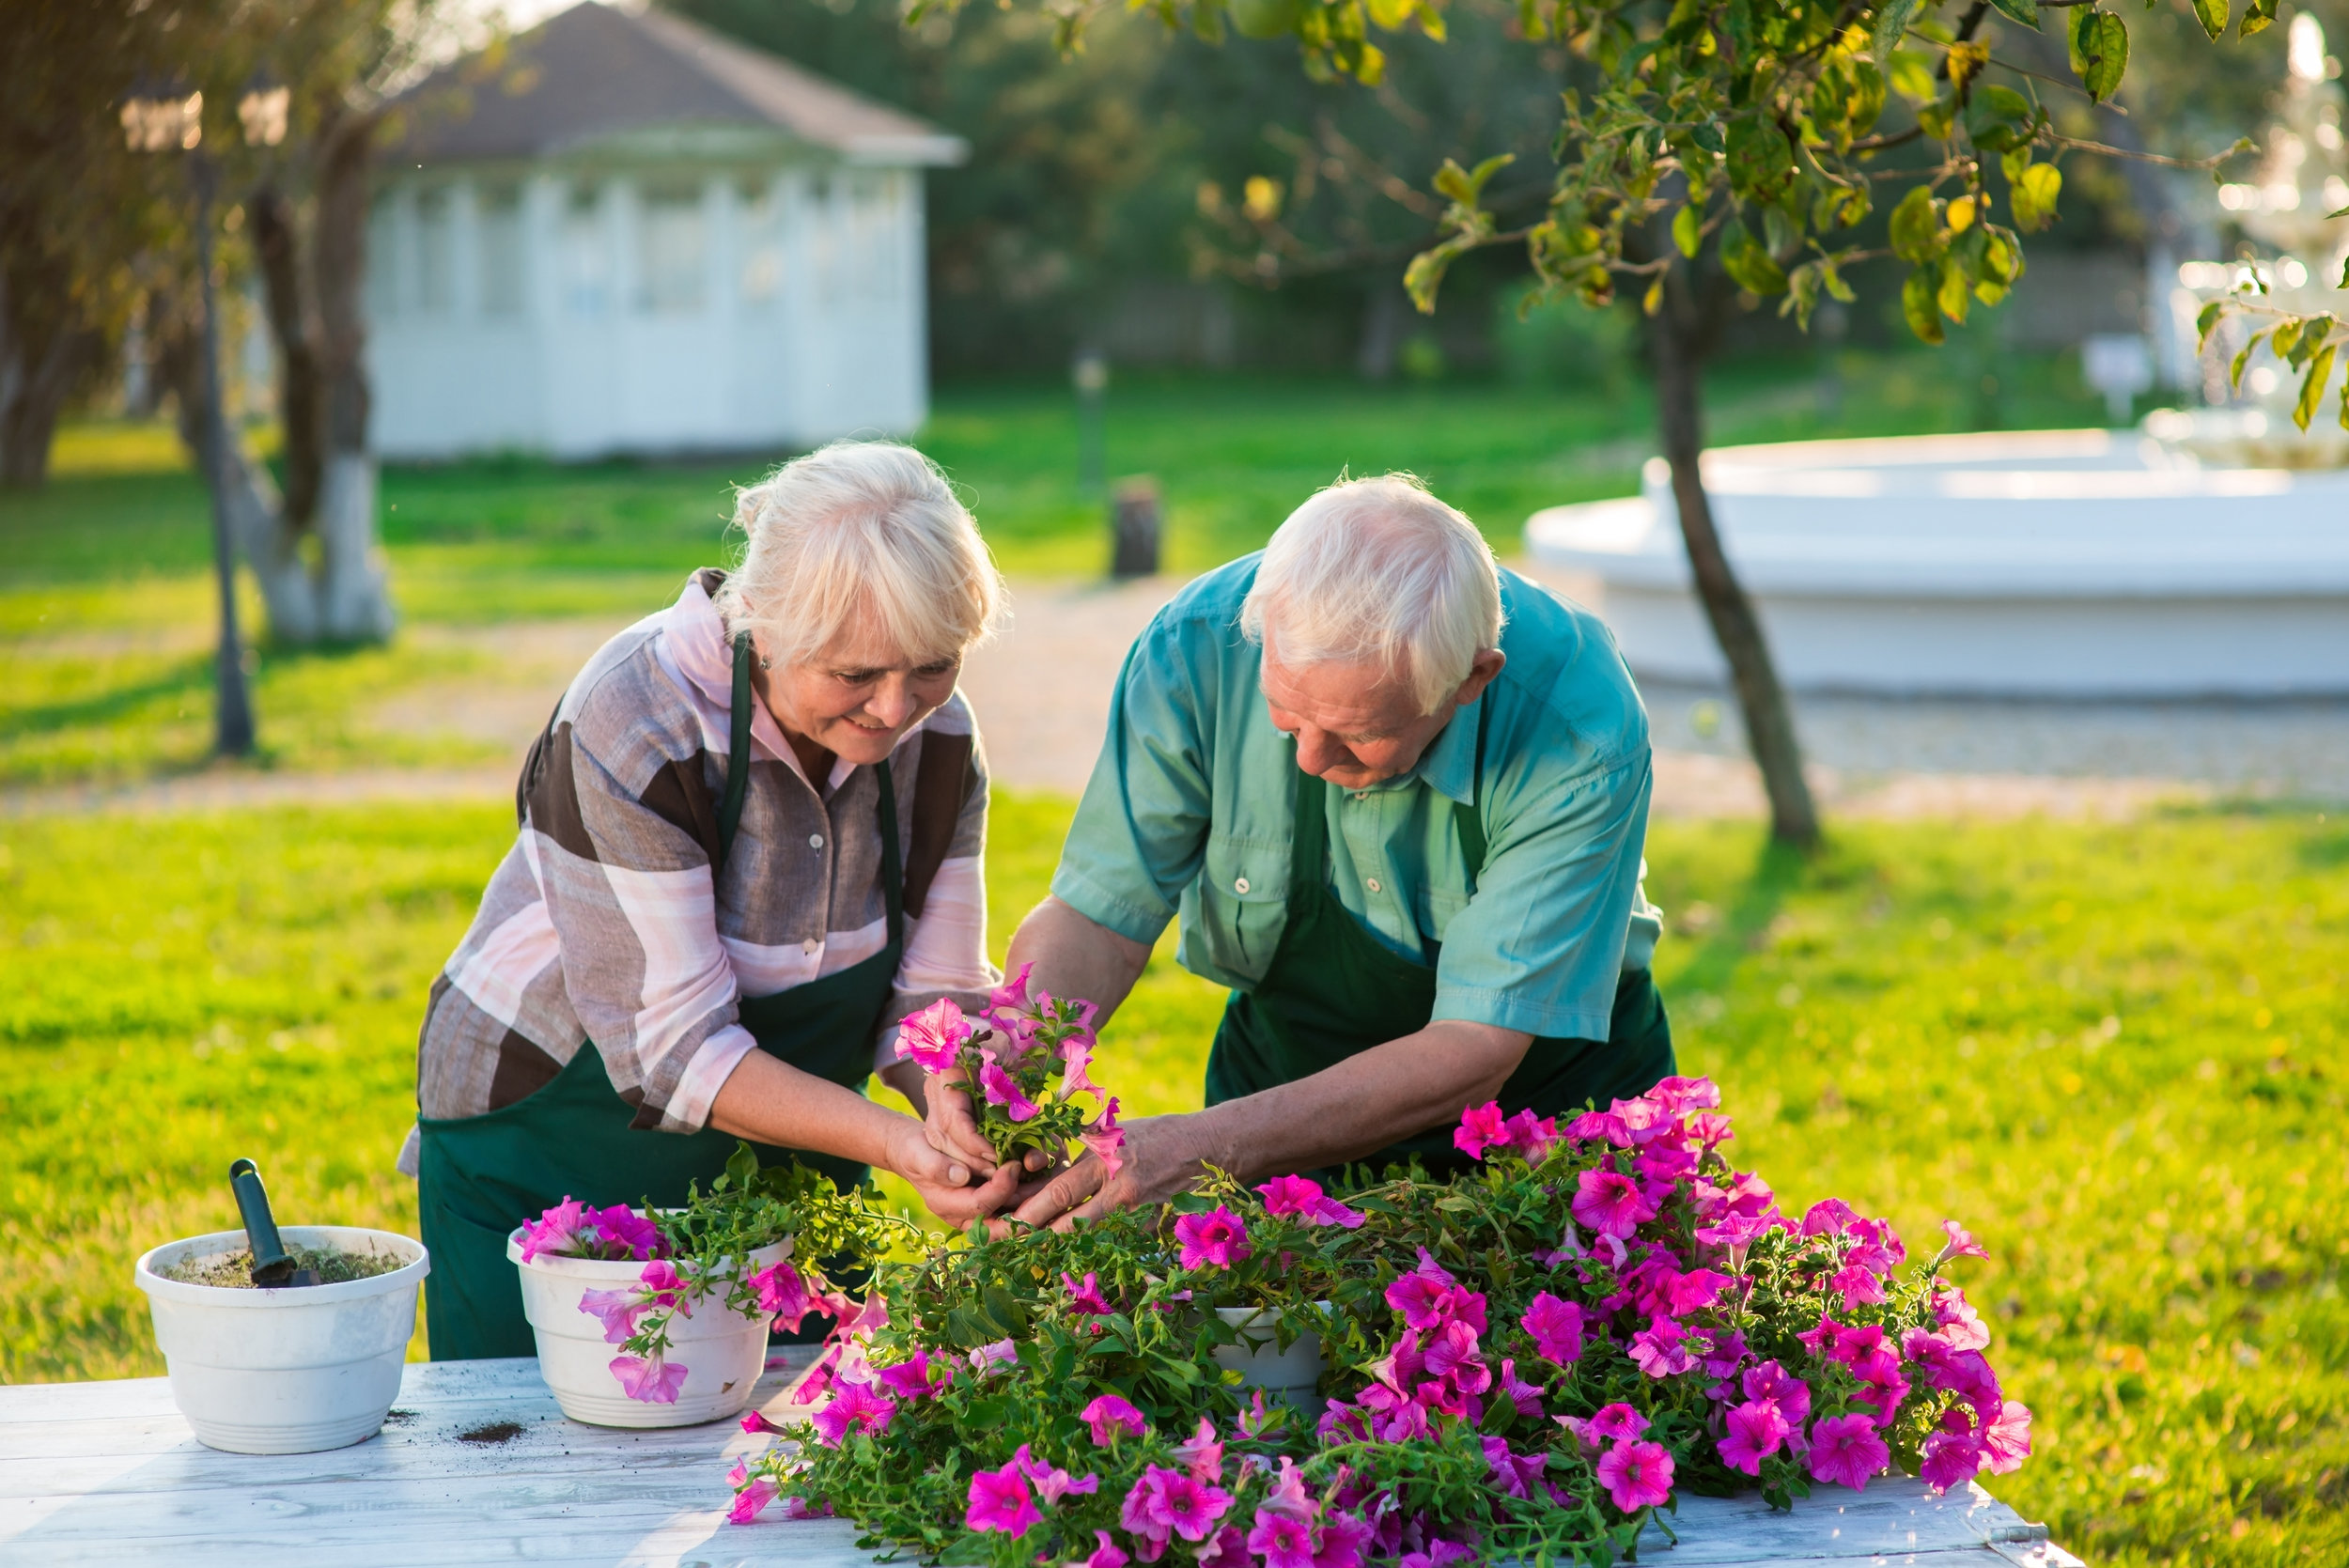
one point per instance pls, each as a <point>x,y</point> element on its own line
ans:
<point>480,1176</point>
<point>1334,991</point>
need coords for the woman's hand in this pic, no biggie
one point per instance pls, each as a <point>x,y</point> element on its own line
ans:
<point>944,1181</point>
<point>954,1131</point>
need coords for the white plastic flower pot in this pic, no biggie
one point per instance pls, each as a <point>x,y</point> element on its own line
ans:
<point>722,1352</point>
<point>1292,1375</point>
<point>291,1370</point>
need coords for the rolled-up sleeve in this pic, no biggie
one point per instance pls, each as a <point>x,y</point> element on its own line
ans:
<point>1140,831</point>
<point>1540,946</point>
<point>628,893</point>
<point>945,953</point>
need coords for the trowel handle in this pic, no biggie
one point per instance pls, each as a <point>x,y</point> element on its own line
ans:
<point>260,1227</point>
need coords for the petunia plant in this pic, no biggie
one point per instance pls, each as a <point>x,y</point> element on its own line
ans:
<point>705,1251</point>
<point>1026,1059</point>
<point>1531,1361</point>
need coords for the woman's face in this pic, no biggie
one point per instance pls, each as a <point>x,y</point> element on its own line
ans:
<point>858,696</point>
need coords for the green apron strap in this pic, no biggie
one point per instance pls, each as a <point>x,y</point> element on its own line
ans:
<point>737,754</point>
<point>1308,840</point>
<point>893,872</point>
<point>1469,820</point>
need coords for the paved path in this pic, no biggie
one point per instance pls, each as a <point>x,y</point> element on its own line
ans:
<point>1042,691</point>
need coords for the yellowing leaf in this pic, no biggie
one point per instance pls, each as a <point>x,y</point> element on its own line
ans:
<point>1916,227</point>
<point>1954,293</point>
<point>1961,214</point>
<point>1916,306</point>
<point>2212,14</point>
<point>1688,230</point>
<point>2312,386</point>
<point>1653,300</point>
<point>1261,198</point>
<point>1390,14</point>
<point>2033,195</point>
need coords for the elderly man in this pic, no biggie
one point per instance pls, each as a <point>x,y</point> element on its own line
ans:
<point>1397,797</point>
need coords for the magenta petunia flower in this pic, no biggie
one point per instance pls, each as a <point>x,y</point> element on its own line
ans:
<point>1960,1324</point>
<point>1167,1503</point>
<point>750,1500</point>
<point>910,1379</point>
<point>1482,1127</point>
<point>1452,1358</point>
<point>664,1286</point>
<point>1960,1245</point>
<point>1637,1475</point>
<point>1613,1423</point>
<point>1085,1297</point>
<point>1602,1127</point>
<point>1012,995</point>
<point>1229,1549</point>
<point>1753,1432</point>
<point>754,1422</point>
<point>1302,1196</point>
<point>1077,1054</point>
<point>1526,1396</point>
<point>1428,1295</point>
<point>1105,1140</point>
<point>987,1358</point>
<point>1218,1237</point>
<point>627,1233</point>
<point>1533,1136</point>
<point>1106,1555</point>
<point>1610,1204</point>
<point>1846,1450</point>
<point>1951,1459</point>
<point>1345,1541</point>
<point>2006,1438</point>
<point>782,1294</point>
<point>1859,1287</point>
<point>1661,1349</point>
<point>563,1230</point>
<point>1774,1383</point>
<point>1000,1090</point>
<point>932,1038</point>
<point>854,1407</point>
<point>1710,1129</point>
<point>1202,1453</point>
<point>1283,1540</point>
<point>1515,1474</point>
<point>1679,1095</point>
<point>1827,1216</point>
<point>1110,1415</point>
<point>999,1500</point>
<point>650,1379</point>
<point>619,1309</point>
<point>1052,1482</point>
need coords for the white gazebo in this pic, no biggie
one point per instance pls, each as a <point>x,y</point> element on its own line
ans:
<point>630,235</point>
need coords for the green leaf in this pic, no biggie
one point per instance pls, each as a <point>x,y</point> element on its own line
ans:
<point>2286,335</point>
<point>1916,227</point>
<point>1912,76</point>
<point>1687,229</point>
<point>2312,386</point>
<point>2034,197</point>
<point>2106,47</point>
<point>1997,118</point>
<point>2212,14</point>
<point>2242,358</point>
<point>2205,324</point>
<point>2024,11</point>
<point>1265,19</point>
<point>1916,306</point>
<point>2257,18</point>
<point>2076,27</point>
<point>1891,23</point>
<point>1466,186</point>
<point>1761,160</point>
<point>1748,266</point>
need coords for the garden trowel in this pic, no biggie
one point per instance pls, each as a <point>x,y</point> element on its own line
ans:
<point>273,1267</point>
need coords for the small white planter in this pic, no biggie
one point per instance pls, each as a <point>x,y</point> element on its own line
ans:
<point>1292,1375</point>
<point>291,1370</point>
<point>722,1352</point>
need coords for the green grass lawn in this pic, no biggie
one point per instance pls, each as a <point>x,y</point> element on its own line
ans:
<point>2112,1051</point>
<point>105,597</point>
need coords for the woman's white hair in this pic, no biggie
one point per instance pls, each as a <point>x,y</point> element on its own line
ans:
<point>860,529</point>
<point>1380,571</point>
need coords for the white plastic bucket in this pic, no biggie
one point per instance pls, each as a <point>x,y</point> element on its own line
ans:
<point>723,1353</point>
<point>1292,1375</point>
<point>289,1370</point>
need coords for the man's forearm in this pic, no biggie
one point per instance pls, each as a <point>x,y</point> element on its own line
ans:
<point>1364,1103</point>
<point>1075,955</point>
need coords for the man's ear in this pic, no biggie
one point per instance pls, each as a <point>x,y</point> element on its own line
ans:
<point>1482,670</point>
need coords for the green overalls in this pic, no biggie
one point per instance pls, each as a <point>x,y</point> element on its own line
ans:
<point>480,1176</point>
<point>1334,991</point>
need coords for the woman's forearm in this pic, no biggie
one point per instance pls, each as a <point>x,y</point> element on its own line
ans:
<point>768,1100</point>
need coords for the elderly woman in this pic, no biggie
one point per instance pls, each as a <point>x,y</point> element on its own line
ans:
<point>750,840</point>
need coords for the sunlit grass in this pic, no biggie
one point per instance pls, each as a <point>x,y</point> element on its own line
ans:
<point>2112,1051</point>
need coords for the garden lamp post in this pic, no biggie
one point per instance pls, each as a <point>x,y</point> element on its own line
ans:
<point>164,123</point>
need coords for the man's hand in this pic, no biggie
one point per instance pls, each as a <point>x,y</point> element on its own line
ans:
<point>954,1131</point>
<point>1163,1158</point>
<point>943,1180</point>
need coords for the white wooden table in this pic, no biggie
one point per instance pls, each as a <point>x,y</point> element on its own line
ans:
<point>107,1473</point>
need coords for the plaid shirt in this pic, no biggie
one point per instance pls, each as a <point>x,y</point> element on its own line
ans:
<point>602,923</point>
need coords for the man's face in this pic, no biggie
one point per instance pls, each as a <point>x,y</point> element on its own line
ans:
<point>1357,724</point>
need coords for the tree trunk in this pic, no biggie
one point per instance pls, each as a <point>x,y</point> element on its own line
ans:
<point>300,399</point>
<point>1679,340</point>
<point>355,595</point>
<point>43,353</point>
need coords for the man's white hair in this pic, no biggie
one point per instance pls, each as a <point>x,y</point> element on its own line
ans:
<point>1380,571</point>
<point>860,530</point>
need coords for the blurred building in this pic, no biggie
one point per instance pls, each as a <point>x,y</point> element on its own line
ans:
<point>624,233</point>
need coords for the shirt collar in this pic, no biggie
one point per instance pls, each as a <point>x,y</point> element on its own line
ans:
<point>1448,766</point>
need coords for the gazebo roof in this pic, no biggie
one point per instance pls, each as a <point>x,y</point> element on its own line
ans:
<point>598,73</point>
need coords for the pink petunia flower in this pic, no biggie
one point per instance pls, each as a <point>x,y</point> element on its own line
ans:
<point>1202,1453</point>
<point>619,1309</point>
<point>934,1037</point>
<point>1613,1423</point>
<point>1302,1197</point>
<point>1774,1383</point>
<point>1960,1324</point>
<point>1753,1432</point>
<point>650,1379</point>
<point>782,1294</point>
<point>563,1230</point>
<point>1228,1549</point>
<point>1679,1095</point>
<point>1000,1090</point>
<point>1533,1136</point>
<point>1951,1459</point>
<point>1077,1056</point>
<point>999,1500</point>
<point>1106,1555</point>
<point>910,1379</point>
<point>1827,1216</point>
<point>1168,1502</point>
<point>1452,1358</point>
<point>1052,1482</point>
<point>1661,1349</point>
<point>755,1422</point>
<point>1710,1129</point>
<point>1512,1473</point>
<point>1482,1127</point>
<point>1283,1540</point>
<point>1637,1475</point>
<point>750,1500</point>
<point>2006,1438</point>
<point>1110,1414</point>
<point>1603,1127</point>
<point>987,1358</point>
<point>1012,995</point>
<point>1218,1237</point>
<point>627,1233</point>
<point>1960,1245</point>
<point>1345,1540</point>
<point>1526,1396</point>
<point>1610,1204</point>
<point>1846,1450</point>
<point>855,1407</point>
<point>1086,1297</point>
<point>665,1287</point>
<point>1105,1140</point>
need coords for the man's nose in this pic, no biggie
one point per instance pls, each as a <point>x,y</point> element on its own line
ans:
<point>1316,752</point>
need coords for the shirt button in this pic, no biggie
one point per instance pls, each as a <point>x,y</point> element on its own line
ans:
<point>1240,885</point>
<point>815,841</point>
<point>810,946</point>
<point>1373,884</point>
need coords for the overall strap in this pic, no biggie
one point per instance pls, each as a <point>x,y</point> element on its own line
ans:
<point>1309,839</point>
<point>738,752</point>
<point>893,872</point>
<point>1472,821</point>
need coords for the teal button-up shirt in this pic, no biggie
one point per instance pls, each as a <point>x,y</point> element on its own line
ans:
<point>1190,809</point>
